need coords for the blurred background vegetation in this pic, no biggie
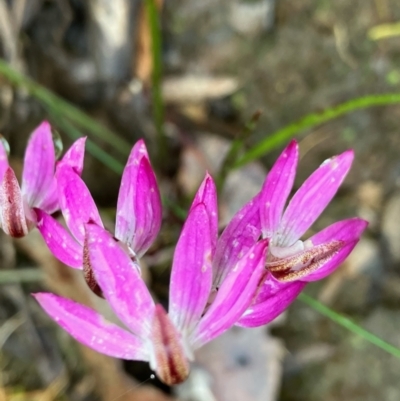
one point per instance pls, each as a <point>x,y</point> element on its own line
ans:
<point>217,85</point>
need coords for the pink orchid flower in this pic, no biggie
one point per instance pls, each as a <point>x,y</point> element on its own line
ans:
<point>167,342</point>
<point>292,262</point>
<point>138,219</point>
<point>38,189</point>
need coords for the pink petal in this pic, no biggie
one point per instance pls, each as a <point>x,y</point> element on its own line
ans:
<point>74,159</point>
<point>233,297</point>
<point>273,299</point>
<point>191,274</point>
<point>239,236</point>
<point>74,156</point>
<point>276,189</point>
<point>12,211</point>
<point>39,164</point>
<point>92,329</point>
<point>312,197</point>
<point>120,281</point>
<point>348,231</point>
<point>59,240</point>
<point>50,203</point>
<point>207,194</point>
<point>76,203</point>
<point>3,160</point>
<point>139,211</point>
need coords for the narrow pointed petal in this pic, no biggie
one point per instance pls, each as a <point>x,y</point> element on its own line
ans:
<point>233,297</point>
<point>312,197</point>
<point>59,240</point>
<point>273,298</point>
<point>3,161</point>
<point>168,360</point>
<point>76,203</point>
<point>276,189</point>
<point>39,165</point>
<point>239,236</point>
<point>12,211</point>
<point>92,329</point>
<point>120,281</point>
<point>139,211</point>
<point>347,231</point>
<point>74,157</point>
<point>191,274</point>
<point>207,194</point>
<point>49,203</point>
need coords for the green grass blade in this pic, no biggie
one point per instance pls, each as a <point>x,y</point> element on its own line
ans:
<point>311,120</point>
<point>57,106</point>
<point>349,325</point>
<point>19,276</point>
<point>100,154</point>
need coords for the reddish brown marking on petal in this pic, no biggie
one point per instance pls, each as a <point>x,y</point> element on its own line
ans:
<point>302,264</point>
<point>11,206</point>
<point>172,366</point>
<point>88,271</point>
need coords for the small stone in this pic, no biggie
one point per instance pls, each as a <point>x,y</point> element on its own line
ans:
<point>252,18</point>
<point>370,197</point>
<point>390,227</point>
<point>240,365</point>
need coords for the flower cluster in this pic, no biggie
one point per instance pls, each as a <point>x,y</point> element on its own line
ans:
<point>246,277</point>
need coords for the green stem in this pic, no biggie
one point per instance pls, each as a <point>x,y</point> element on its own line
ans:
<point>311,120</point>
<point>349,325</point>
<point>156,52</point>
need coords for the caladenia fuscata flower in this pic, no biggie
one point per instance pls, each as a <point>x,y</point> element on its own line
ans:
<point>138,219</point>
<point>166,341</point>
<point>292,262</point>
<point>38,191</point>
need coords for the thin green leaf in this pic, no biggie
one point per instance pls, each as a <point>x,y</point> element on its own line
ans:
<point>57,106</point>
<point>100,154</point>
<point>349,325</point>
<point>311,120</point>
<point>28,275</point>
<point>156,52</point>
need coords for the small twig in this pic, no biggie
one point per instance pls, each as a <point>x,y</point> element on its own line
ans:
<point>9,326</point>
<point>17,10</point>
<point>342,45</point>
<point>8,35</point>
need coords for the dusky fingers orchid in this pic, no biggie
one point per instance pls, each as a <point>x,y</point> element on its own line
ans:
<point>291,261</point>
<point>167,342</point>
<point>38,190</point>
<point>138,220</point>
